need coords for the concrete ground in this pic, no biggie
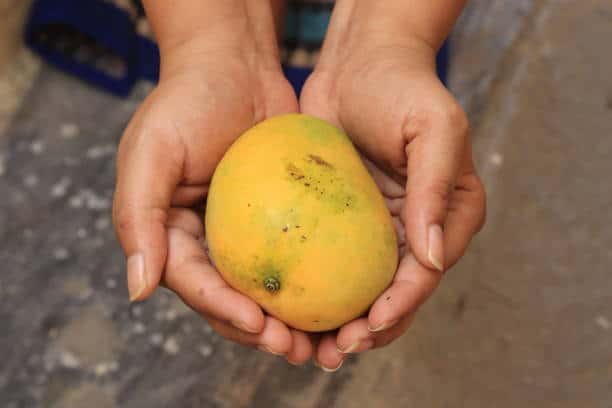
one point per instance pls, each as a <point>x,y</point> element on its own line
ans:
<point>525,320</point>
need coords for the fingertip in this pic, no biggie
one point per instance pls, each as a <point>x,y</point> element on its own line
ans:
<point>426,243</point>
<point>146,253</point>
<point>328,357</point>
<point>380,317</point>
<point>397,301</point>
<point>136,279</point>
<point>301,349</point>
<point>333,369</point>
<point>379,313</point>
<point>251,320</point>
<point>140,282</point>
<point>276,337</point>
<point>375,328</point>
<point>435,247</point>
<point>351,335</point>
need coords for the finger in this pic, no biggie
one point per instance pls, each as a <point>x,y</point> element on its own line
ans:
<point>275,337</point>
<point>148,170</point>
<point>435,152</point>
<point>412,285</point>
<point>354,337</point>
<point>185,220</point>
<point>328,357</point>
<point>465,218</point>
<point>187,196</point>
<point>301,348</point>
<point>191,276</point>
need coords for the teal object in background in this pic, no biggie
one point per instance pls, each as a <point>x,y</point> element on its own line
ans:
<point>313,25</point>
<point>292,25</point>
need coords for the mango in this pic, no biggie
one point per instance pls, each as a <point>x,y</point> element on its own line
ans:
<point>295,222</point>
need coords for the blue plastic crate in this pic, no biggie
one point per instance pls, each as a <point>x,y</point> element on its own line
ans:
<point>61,31</point>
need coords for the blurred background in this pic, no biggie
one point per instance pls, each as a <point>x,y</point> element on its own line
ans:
<point>525,319</point>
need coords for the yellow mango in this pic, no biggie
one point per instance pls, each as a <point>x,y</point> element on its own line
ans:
<point>295,221</point>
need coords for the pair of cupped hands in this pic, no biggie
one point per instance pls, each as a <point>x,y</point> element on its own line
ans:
<point>412,135</point>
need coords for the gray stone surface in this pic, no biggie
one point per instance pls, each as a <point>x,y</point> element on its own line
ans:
<point>524,320</point>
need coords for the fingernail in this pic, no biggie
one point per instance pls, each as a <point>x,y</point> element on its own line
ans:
<point>294,363</point>
<point>242,326</point>
<point>358,347</point>
<point>269,350</point>
<point>349,349</point>
<point>332,370</point>
<point>435,251</point>
<point>136,276</point>
<point>382,326</point>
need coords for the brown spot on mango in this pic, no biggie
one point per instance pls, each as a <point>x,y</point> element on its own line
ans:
<point>318,160</point>
<point>295,172</point>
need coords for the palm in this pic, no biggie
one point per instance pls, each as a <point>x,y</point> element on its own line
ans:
<point>204,111</point>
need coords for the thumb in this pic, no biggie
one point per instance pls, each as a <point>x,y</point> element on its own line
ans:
<point>434,158</point>
<point>148,171</point>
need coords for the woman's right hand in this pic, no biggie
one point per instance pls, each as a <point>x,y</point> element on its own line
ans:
<point>213,87</point>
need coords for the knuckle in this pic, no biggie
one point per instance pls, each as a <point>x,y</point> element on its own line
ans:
<point>417,123</point>
<point>128,218</point>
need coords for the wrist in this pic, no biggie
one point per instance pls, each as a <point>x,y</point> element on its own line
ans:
<point>357,36</point>
<point>429,21</point>
<point>194,31</point>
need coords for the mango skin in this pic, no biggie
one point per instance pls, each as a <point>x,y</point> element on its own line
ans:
<point>295,222</point>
